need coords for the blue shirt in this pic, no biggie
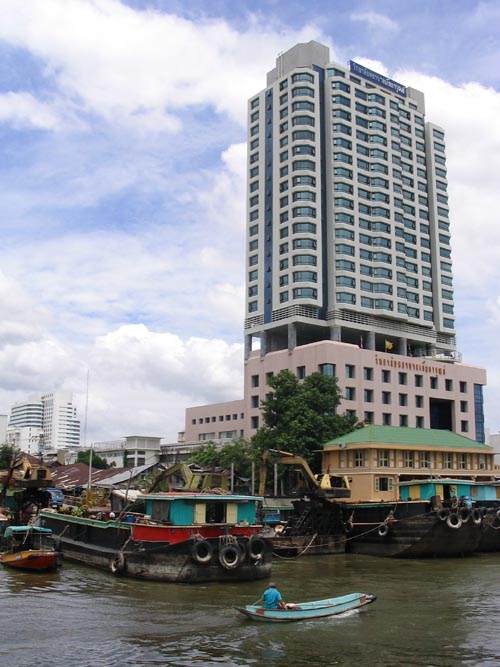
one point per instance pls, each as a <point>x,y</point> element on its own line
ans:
<point>271,597</point>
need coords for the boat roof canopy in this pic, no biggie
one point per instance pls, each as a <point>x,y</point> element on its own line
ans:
<point>444,481</point>
<point>200,497</point>
<point>20,530</point>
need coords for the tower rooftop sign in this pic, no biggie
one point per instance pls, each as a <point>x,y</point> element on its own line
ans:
<point>379,79</point>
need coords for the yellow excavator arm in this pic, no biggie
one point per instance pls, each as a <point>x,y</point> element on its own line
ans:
<point>340,486</point>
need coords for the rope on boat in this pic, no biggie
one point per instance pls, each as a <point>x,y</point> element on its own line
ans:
<point>224,540</point>
<point>385,522</point>
<point>367,532</point>
<point>122,549</point>
<point>297,555</point>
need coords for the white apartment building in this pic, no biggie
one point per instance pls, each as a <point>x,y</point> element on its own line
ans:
<point>349,268</point>
<point>51,414</point>
<point>132,451</point>
<point>28,439</point>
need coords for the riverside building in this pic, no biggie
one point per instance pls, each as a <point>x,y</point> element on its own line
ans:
<point>349,268</point>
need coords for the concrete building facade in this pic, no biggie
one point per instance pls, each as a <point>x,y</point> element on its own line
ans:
<point>349,268</point>
<point>130,452</point>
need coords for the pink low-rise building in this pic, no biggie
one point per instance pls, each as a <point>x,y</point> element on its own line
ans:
<point>381,388</point>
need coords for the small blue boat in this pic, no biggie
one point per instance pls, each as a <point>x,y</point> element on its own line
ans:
<point>305,610</point>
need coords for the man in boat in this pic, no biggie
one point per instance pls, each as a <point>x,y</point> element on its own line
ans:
<point>271,598</point>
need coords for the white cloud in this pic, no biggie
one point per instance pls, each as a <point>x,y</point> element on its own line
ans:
<point>141,381</point>
<point>163,271</point>
<point>143,67</point>
<point>23,110</point>
<point>376,21</point>
<point>22,318</point>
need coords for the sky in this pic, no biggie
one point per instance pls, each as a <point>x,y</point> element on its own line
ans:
<point>122,186</point>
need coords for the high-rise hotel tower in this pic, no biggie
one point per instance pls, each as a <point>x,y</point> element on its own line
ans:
<point>348,231</point>
<point>349,267</point>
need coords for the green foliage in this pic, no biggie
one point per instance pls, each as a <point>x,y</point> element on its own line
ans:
<point>239,452</point>
<point>97,461</point>
<point>5,456</point>
<point>299,417</point>
<point>80,511</point>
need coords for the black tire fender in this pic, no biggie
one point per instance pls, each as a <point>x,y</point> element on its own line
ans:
<point>464,514</point>
<point>454,521</point>
<point>256,548</point>
<point>383,530</point>
<point>442,514</point>
<point>202,552</point>
<point>229,556</point>
<point>476,515</point>
<point>348,527</point>
<point>118,564</point>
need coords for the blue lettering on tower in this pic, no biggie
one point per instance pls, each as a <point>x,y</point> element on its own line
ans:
<point>379,79</point>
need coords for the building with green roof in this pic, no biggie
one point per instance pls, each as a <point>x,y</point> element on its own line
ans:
<point>377,458</point>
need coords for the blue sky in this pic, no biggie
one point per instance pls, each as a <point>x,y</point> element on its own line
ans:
<point>122,185</point>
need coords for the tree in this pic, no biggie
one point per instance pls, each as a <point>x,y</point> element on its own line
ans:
<point>299,417</point>
<point>97,461</point>
<point>6,456</point>
<point>239,452</point>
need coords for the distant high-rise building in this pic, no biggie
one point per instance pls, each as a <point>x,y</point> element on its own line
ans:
<point>50,418</point>
<point>349,268</point>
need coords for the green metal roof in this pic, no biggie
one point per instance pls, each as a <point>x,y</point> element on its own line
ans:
<point>400,435</point>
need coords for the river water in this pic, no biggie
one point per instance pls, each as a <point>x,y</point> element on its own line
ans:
<point>434,613</point>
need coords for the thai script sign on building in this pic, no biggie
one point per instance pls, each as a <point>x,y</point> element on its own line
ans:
<point>379,79</point>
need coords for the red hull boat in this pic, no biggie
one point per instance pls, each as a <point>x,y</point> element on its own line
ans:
<point>31,559</point>
<point>29,548</point>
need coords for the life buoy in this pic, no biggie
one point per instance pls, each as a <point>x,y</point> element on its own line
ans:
<point>383,530</point>
<point>348,526</point>
<point>476,515</point>
<point>454,521</point>
<point>464,514</point>
<point>202,552</point>
<point>256,548</point>
<point>442,514</point>
<point>118,565</point>
<point>229,556</point>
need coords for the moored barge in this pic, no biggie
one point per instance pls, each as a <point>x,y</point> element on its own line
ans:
<point>412,529</point>
<point>184,537</point>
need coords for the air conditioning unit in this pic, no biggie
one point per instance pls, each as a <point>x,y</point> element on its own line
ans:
<point>342,445</point>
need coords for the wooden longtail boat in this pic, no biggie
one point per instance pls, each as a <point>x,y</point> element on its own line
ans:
<point>306,610</point>
<point>29,548</point>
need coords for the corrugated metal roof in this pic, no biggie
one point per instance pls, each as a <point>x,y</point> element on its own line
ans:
<point>399,435</point>
<point>77,474</point>
<point>123,476</point>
